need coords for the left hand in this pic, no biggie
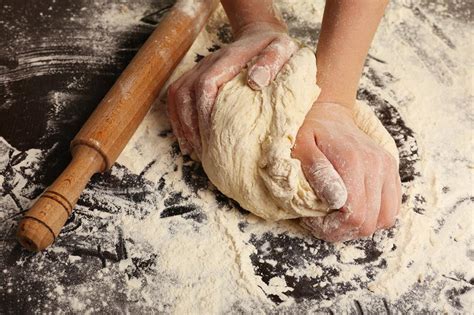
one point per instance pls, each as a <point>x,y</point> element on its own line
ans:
<point>192,97</point>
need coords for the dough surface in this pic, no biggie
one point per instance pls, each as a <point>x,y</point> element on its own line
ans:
<point>247,154</point>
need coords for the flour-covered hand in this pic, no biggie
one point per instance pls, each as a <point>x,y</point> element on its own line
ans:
<point>348,170</point>
<point>191,98</point>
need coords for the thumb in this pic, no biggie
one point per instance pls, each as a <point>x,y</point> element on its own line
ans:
<point>270,61</point>
<point>320,173</point>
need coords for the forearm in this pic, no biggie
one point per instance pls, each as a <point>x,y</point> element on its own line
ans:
<point>346,33</point>
<point>242,13</point>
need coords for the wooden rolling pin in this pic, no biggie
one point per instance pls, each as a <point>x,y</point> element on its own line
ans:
<point>100,141</point>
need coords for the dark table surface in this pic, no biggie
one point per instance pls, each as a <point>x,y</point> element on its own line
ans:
<point>57,50</point>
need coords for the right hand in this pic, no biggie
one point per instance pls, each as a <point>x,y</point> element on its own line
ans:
<point>191,98</point>
<point>348,170</point>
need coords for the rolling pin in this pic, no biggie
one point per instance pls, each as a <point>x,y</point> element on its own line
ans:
<point>104,135</point>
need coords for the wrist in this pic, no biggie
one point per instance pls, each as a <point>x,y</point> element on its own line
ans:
<point>345,99</point>
<point>334,110</point>
<point>245,15</point>
<point>260,27</point>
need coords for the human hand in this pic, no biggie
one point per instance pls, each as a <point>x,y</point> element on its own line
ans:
<point>191,97</point>
<point>350,171</point>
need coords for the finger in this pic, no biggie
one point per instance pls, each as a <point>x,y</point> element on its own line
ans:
<point>320,173</point>
<point>345,224</point>
<point>219,69</point>
<point>270,61</point>
<point>187,114</point>
<point>207,86</point>
<point>373,189</point>
<point>184,146</point>
<point>315,225</point>
<point>330,227</point>
<point>390,202</point>
<point>185,101</point>
<point>174,107</point>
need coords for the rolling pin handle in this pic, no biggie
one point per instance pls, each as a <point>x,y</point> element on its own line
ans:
<point>42,223</point>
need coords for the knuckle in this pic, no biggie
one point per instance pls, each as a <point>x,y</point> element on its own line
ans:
<point>303,138</point>
<point>379,160</point>
<point>372,164</point>
<point>182,96</point>
<point>356,219</point>
<point>283,45</point>
<point>204,82</point>
<point>352,157</point>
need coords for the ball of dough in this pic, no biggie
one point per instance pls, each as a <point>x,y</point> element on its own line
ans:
<point>247,154</point>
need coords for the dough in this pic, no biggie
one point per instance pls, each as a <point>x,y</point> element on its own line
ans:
<point>247,154</point>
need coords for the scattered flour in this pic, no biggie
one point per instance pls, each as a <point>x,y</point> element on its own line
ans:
<point>432,91</point>
<point>210,266</point>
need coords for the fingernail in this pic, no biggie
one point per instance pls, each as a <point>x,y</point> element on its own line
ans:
<point>259,77</point>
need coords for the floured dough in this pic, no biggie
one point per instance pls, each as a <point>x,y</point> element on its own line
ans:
<point>247,154</point>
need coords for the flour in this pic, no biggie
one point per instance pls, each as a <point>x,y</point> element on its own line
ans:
<point>189,7</point>
<point>415,235</point>
<point>177,246</point>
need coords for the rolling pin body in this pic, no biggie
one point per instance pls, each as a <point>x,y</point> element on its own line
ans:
<point>105,134</point>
